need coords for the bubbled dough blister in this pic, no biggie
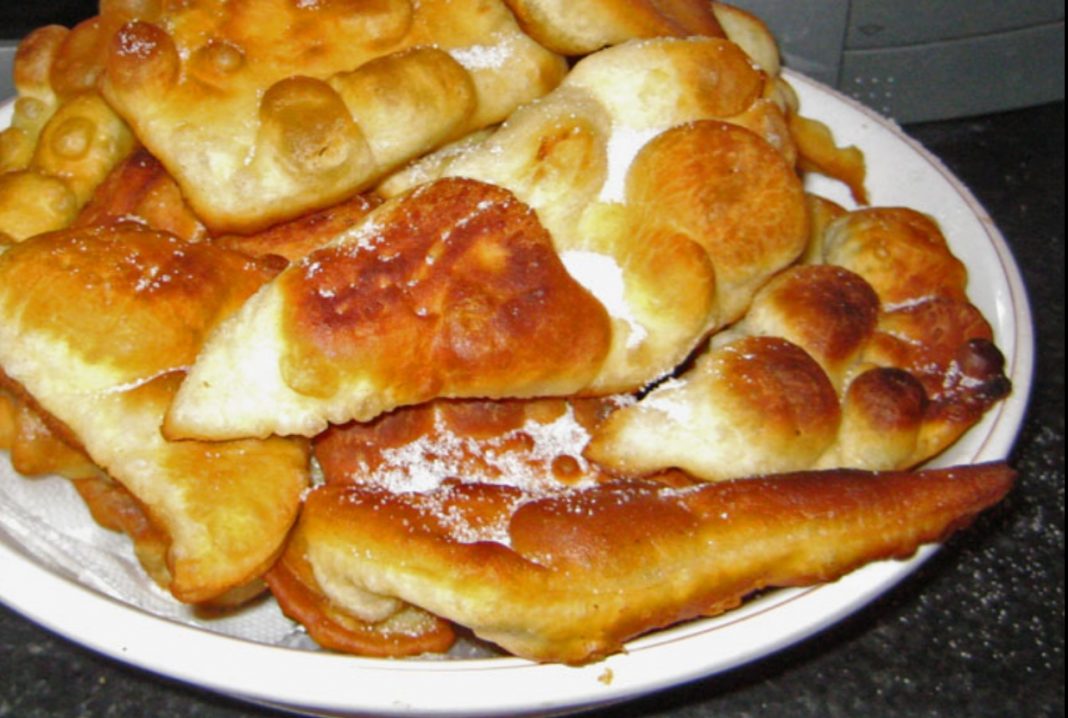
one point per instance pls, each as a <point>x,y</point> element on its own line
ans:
<point>63,139</point>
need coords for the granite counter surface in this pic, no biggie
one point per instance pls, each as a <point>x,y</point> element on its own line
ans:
<point>977,631</point>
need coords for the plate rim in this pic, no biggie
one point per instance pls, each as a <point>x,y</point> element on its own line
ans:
<point>132,636</point>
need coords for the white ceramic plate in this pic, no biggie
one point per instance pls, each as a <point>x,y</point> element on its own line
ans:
<point>900,173</point>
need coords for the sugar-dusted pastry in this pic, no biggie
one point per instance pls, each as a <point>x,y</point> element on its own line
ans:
<point>888,365</point>
<point>534,447</point>
<point>570,576</point>
<point>97,326</point>
<point>657,199</point>
<point>264,110</point>
<point>453,290</point>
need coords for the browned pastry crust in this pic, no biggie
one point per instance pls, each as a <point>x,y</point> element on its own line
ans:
<point>451,291</point>
<point>97,326</point>
<point>297,238</point>
<point>140,190</point>
<point>405,631</point>
<point>533,446</point>
<point>583,571</point>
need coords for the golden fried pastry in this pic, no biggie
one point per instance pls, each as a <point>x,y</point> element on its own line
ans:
<point>76,149</point>
<point>656,199</point>
<point>899,364</point>
<point>36,98</point>
<point>572,28</point>
<point>265,110</point>
<point>140,190</point>
<point>404,630</point>
<point>818,152</point>
<point>451,291</point>
<point>758,405</point>
<point>534,446</point>
<point>63,138</point>
<point>574,574</point>
<point>36,448</point>
<point>297,238</point>
<point>97,327</point>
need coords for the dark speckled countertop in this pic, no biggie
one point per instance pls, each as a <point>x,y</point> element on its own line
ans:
<point>977,631</point>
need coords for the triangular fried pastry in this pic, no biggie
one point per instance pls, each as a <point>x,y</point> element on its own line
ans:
<point>264,110</point>
<point>578,573</point>
<point>657,200</point>
<point>451,291</point>
<point>97,327</point>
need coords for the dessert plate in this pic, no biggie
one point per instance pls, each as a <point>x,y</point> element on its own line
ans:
<point>261,658</point>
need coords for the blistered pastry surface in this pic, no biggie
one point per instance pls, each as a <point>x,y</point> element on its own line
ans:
<point>265,110</point>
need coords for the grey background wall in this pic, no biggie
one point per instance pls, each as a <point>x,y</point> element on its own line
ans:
<point>909,59</point>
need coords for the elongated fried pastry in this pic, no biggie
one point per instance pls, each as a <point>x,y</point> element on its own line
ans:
<point>97,328</point>
<point>533,446</point>
<point>263,110</point>
<point>581,572</point>
<point>451,291</point>
<point>658,194</point>
<point>888,364</point>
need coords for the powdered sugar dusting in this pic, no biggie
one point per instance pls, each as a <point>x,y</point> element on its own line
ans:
<point>425,464</point>
<point>429,470</point>
<point>484,57</point>
<point>623,146</point>
<point>603,277</point>
<point>669,400</point>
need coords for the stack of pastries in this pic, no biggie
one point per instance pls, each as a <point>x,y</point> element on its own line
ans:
<point>501,318</point>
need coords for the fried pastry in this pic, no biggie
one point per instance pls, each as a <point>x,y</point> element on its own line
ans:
<point>575,574</point>
<point>139,189</point>
<point>63,138</point>
<point>297,238</point>
<point>582,28</point>
<point>451,291</point>
<point>875,360</point>
<point>657,200</point>
<point>268,109</point>
<point>534,446</point>
<point>79,145</point>
<point>98,327</point>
